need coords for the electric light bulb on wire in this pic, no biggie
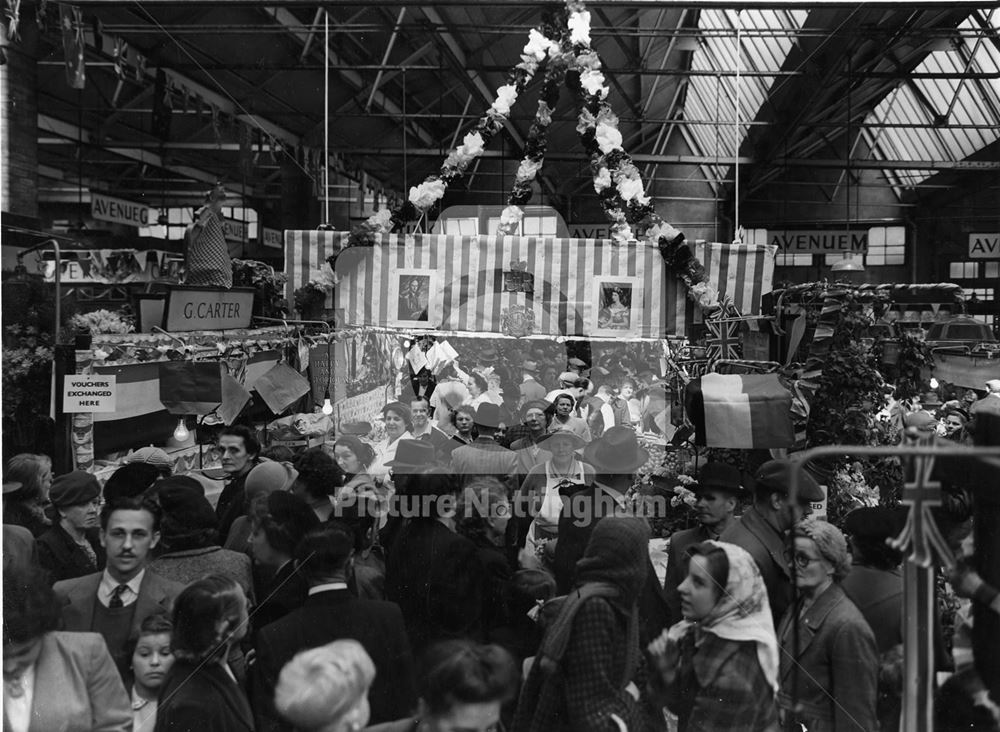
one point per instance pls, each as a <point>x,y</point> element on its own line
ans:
<point>934,383</point>
<point>181,432</point>
<point>327,408</point>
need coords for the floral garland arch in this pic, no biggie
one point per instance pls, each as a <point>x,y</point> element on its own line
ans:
<point>563,41</point>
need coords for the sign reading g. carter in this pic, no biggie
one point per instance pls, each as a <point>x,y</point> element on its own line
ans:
<point>207,308</point>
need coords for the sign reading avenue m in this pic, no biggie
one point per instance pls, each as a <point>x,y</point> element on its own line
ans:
<point>819,242</point>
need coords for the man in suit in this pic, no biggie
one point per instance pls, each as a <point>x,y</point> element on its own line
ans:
<point>718,490</point>
<point>615,457</point>
<point>763,527</point>
<point>530,387</point>
<point>116,601</point>
<point>485,456</point>
<point>332,613</point>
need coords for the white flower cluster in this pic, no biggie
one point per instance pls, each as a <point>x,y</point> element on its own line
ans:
<point>510,219</point>
<point>506,96</point>
<point>101,322</point>
<point>579,28</point>
<point>538,47</point>
<point>427,194</point>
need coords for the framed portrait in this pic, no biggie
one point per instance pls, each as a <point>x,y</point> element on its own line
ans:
<point>615,306</point>
<point>414,298</point>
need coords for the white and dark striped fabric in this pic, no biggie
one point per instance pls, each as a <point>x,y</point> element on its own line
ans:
<point>470,279</point>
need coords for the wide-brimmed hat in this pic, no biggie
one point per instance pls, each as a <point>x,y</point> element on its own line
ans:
<point>488,355</point>
<point>487,415</point>
<point>412,455</point>
<point>719,476</point>
<point>578,441</point>
<point>616,451</point>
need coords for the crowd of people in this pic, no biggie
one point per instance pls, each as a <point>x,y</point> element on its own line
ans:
<point>472,570</point>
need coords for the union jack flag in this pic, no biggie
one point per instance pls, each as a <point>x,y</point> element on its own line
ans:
<point>723,341</point>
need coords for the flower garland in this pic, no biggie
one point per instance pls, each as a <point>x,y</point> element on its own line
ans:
<point>564,39</point>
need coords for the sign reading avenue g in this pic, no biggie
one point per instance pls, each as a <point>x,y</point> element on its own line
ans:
<point>119,211</point>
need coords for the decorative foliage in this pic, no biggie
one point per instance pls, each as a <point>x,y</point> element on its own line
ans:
<point>101,322</point>
<point>268,284</point>
<point>27,370</point>
<point>914,357</point>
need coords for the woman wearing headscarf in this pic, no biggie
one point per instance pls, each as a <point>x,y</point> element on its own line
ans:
<point>829,666</point>
<point>717,669</point>
<point>582,677</point>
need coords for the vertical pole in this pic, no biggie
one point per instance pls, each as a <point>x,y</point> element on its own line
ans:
<point>918,648</point>
<point>326,117</point>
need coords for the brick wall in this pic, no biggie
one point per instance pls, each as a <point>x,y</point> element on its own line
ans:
<point>19,131</point>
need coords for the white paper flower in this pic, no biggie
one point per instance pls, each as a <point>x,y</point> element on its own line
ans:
<point>586,121</point>
<point>427,194</point>
<point>661,229</point>
<point>544,114</point>
<point>621,232</point>
<point>602,180</point>
<point>381,220</point>
<point>472,146</point>
<point>579,28</point>
<point>100,354</point>
<point>593,82</point>
<point>511,215</point>
<point>528,169</point>
<point>506,96</point>
<point>608,138</point>
<point>630,188</point>
<point>538,45</point>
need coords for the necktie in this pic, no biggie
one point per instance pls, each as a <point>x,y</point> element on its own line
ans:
<point>116,597</point>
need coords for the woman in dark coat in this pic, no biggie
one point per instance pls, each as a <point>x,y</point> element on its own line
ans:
<point>583,678</point>
<point>835,655</point>
<point>717,669</point>
<point>72,547</point>
<point>200,693</point>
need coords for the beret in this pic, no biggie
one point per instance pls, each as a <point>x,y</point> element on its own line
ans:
<point>74,489</point>
<point>185,508</point>
<point>875,522</point>
<point>151,456</point>
<point>777,476</point>
<point>535,404</point>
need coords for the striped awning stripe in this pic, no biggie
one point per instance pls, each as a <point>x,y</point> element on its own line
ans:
<point>470,279</point>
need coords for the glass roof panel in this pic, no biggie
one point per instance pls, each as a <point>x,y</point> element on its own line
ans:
<point>966,111</point>
<point>766,38</point>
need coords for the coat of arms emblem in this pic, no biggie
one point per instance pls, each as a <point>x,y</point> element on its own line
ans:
<point>517,321</point>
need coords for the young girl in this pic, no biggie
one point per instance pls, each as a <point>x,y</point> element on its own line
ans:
<point>151,661</point>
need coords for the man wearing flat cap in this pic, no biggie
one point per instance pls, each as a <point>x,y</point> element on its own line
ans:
<point>485,456</point>
<point>763,527</point>
<point>718,490</point>
<point>72,547</point>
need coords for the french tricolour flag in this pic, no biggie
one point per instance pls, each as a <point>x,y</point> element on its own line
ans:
<point>740,411</point>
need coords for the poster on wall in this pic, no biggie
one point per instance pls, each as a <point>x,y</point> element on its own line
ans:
<point>413,298</point>
<point>616,301</point>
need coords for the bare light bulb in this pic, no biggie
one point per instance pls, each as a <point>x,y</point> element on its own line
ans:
<point>181,432</point>
<point>934,383</point>
<point>327,407</point>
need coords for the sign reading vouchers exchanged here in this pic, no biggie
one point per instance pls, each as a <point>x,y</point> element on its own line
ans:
<point>207,308</point>
<point>92,393</point>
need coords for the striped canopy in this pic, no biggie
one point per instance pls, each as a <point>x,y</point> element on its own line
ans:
<point>571,279</point>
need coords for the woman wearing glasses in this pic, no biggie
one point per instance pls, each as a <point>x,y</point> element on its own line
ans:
<point>718,667</point>
<point>829,666</point>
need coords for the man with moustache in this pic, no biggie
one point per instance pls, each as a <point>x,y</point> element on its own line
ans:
<point>116,601</point>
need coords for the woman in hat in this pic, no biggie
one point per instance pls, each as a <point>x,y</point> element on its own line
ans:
<point>72,547</point>
<point>833,652</point>
<point>540,490</point>
<point>26,482</point>
<point>398,426</point>
<point>717,669</point>
<point>354,457</point>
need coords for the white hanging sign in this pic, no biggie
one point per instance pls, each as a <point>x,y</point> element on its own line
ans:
<point>984,246</point>
<point>119,211</point>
